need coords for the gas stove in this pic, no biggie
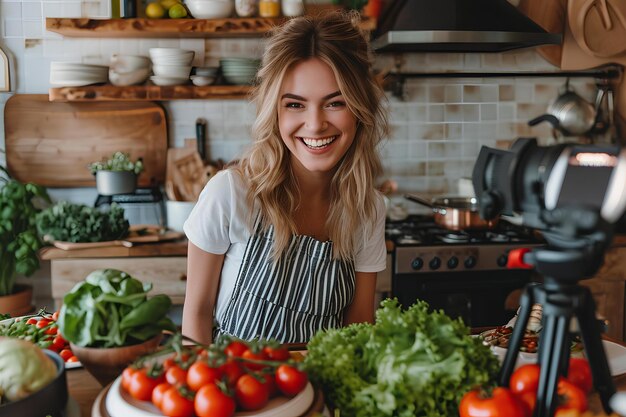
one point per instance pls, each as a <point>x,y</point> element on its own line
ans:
<point>424,247</point>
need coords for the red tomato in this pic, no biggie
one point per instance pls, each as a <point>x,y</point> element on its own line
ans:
<point>32,320</point>
<point>174,404</point>
<point>276,353</point>
<point>51,330</point>
<point>289,380</point>
<point>232,371</point>
<point>158,392</point>
<point>525,378</point>
<point>200,373</point>
<point>571,397</point>
<point>66,354</point>
<point>250,355</point>
<point>235,348</point>
<point>72,359</point>
<point>579,373</point>
<point>528,399</point>
<point>168,363</point>
<point>59,342</point>
<point>176,375</point>
<point>42,323</point>
<point>502,402</point>
<point>211,401</point>
<point>268,379</point>
<point>141,385</point>
<point>250,393</point>
<point>55,315</point>
<point>127,374</point>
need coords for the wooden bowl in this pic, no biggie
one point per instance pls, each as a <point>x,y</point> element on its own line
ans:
<point>106,364</point>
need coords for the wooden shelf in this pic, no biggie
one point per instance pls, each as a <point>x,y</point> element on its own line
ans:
<point>170,28</point>
<point>161,28</point>
<point>147,93</point>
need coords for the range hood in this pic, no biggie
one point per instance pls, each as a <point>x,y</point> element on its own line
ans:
<point>457,26</point>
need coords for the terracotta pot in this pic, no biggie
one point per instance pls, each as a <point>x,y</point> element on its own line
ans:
<point>106,364</point>
<point>19,303</point>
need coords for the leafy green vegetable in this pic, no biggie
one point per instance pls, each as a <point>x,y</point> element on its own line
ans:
<point>119,161</point>
<point>19,241</point>
<point>70,222</point>
<point>409,363</point>
<point>110,308</point>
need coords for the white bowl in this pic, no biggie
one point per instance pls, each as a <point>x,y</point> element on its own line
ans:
<point>59,65</point>
<point>206,71</point>
<point>210,9</point>
<point>202,80</point>
<point>175,71</point>
<point>169,52</point>
<point>129,63</point>
<point>177,212</point>
<point>129,78</point>
<point>168,81</point>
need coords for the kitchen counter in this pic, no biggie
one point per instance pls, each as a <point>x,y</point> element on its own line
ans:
<point>176,248</point>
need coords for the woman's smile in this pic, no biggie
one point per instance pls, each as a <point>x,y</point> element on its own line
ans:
<point>318,143</point>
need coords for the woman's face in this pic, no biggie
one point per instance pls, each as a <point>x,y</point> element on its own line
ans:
<point>314,120</point>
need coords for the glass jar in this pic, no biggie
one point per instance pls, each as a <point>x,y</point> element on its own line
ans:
<point>269,8</point>
<point>245,8</point>
<point>292,8</point>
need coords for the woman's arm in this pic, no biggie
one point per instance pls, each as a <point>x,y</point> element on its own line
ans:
<point>203,278</point>
<point>362,307</point>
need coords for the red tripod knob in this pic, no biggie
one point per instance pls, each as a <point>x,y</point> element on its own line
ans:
<point>516,259</point>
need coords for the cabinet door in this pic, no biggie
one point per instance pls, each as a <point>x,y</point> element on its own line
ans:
<point>167,274</point>
<point>609,298</point>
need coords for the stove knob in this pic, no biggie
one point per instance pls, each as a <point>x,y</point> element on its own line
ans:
<point>470,262</point>
<point>502,260</point>
<point>453,262</point>
<point>417,264</point>
<point>434,263</point>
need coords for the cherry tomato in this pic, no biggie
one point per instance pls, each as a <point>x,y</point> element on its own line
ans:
<point>289,380</point>
<point>232,371</point>
<point>276,353</point>
<point>501,402</point>
<point>51,330</point>
<point>32,320</point>
<point>59,342</point>
<point>579,373</point>
<point>235,348</point>
<point>200,373</point>
<point>174,404</point>
<point>42,323</point>
<point>176,375</point>
<point>250,355</point>
<point>525,378</point>
<point>250,393</point>
<point>158,392</point>
<point>268,379</point>
<point>141,385</point>
<point>55,315</point>
<point>571,397</point>
<point>168,363</point>
<point>66,354</point>
<point>72,359</point>
<point>127,374</point>
<point>211,401</point>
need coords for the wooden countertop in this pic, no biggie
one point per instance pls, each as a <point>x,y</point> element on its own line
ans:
<point>175,248</point>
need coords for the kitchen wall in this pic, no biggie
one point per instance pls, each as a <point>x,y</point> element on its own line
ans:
<point>437,130</point>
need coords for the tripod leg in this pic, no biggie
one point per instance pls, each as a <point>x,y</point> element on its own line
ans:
<point>508,365</point>
<point>553,336</point>
<point>590,332</point>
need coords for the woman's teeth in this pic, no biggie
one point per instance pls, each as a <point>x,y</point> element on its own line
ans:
<point>318,143</point>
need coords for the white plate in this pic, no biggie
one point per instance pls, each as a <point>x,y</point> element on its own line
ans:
<point>615,354</point>
<point>120,404</point>
<point>71,365</point>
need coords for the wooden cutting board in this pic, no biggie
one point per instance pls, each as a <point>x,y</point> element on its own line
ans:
<point>52,143</point>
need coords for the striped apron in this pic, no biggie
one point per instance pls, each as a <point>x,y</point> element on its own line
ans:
<point>291,299</point>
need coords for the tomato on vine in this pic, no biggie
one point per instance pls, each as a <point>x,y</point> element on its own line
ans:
<point>211,401</point>
<point>499,403</point>
<point>250,393</point>
<point>289,380</point>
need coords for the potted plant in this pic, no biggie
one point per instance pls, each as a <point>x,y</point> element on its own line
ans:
<point>19,241</point>
<point>117,174</point>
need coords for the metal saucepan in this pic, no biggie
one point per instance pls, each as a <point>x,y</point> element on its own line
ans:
<point>455,213</point>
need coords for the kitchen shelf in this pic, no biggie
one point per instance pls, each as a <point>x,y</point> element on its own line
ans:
<point>147,93</point>
<point>240,27</point>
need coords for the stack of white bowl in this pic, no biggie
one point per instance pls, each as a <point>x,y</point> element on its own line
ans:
<point>129,69</point>
<point>171,66</point>
<point>239,71</point>
<point>204,76</point>
<point>71,74</point>
<point>210,9</point>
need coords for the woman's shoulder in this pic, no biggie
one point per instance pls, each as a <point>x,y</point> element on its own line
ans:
<point>230,178</point>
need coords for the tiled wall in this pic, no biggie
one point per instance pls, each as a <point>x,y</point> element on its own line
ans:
<point>438,126</point>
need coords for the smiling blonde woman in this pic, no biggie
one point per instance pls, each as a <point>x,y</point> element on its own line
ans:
<point>289,241</point>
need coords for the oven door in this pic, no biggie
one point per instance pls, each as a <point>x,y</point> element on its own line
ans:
<point>478,297</point>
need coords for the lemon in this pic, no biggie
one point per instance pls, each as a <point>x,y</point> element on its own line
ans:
<point>177,11</point>
<point>155,11</point>
<point>167,4</point>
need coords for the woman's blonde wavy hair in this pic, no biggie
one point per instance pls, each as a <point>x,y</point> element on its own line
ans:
<point>336,40</point>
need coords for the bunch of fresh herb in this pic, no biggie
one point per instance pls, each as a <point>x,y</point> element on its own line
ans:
<point>19,241</point>
<point>110,308</point>
<point>409,363</point>
<point>119,161</point>
<point>71,222</point>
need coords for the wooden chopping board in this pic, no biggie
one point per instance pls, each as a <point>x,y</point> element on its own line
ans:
<point>52,143</point>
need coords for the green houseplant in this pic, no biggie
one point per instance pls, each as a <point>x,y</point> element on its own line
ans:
<point>19,241</point>
<point>117,174</point>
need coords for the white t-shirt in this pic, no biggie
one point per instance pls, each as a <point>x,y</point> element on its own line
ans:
<point>218,224</point>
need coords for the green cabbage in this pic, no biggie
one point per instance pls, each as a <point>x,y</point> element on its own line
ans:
<point>409,363</point>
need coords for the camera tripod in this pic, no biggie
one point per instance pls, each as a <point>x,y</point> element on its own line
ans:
<point>562,298</point>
